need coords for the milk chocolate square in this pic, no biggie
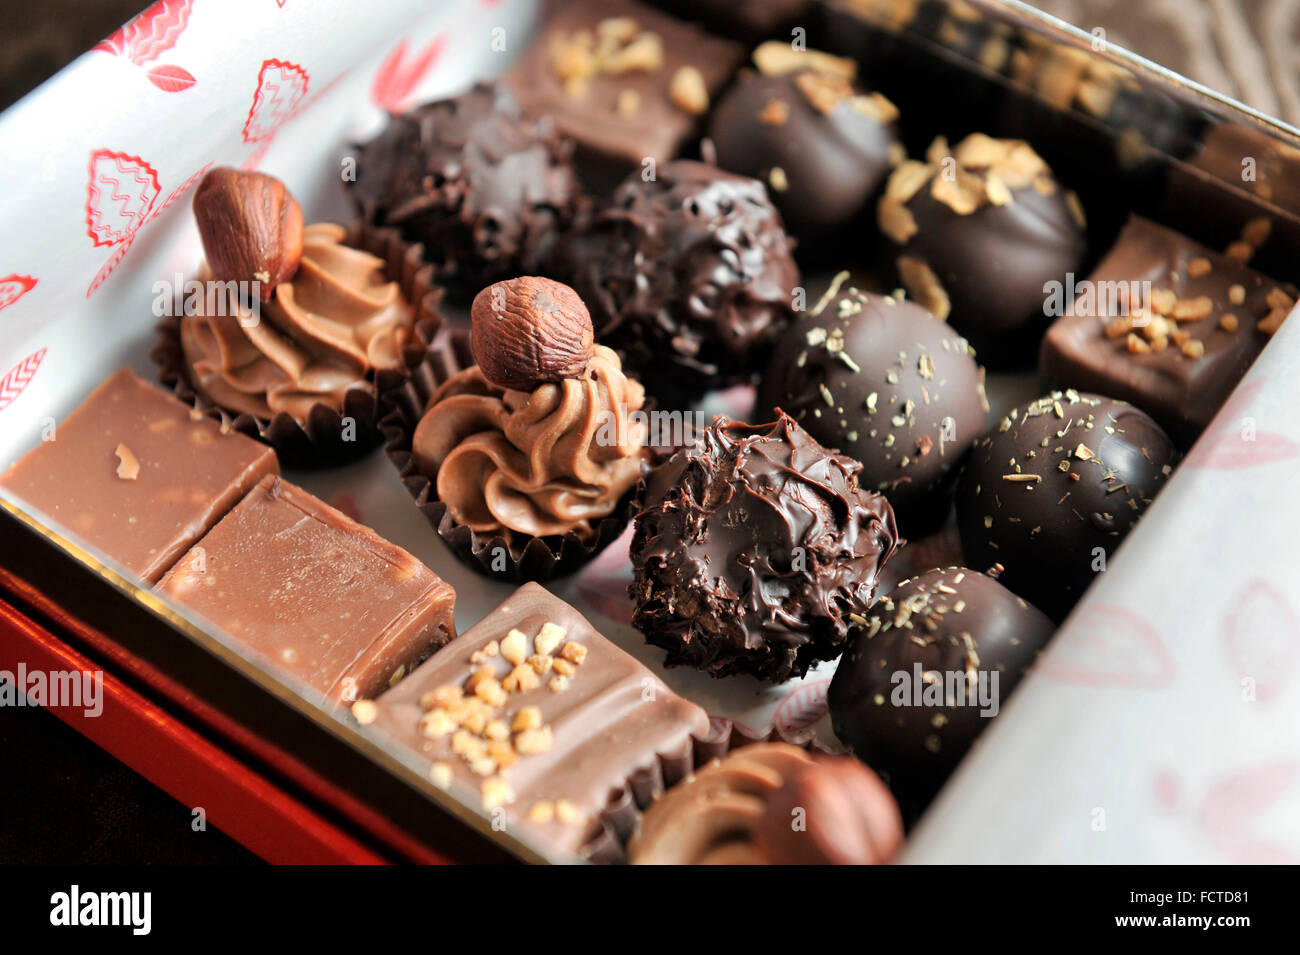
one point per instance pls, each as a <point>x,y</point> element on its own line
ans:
<point>602,70</point>
<point>1178,355</point>
<point>316,595</point>
<point>138,475</point>
<point>539,713</point>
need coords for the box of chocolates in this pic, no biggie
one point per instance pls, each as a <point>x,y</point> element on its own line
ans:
<point>837,431</point>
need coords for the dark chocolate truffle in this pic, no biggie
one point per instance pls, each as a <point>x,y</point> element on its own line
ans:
<point>1054,488</point>
<point>1167,324</point>
<point>752,548</point>
<point>822,144</point>
<point>884,381</point>
<point>982,229</point>
<point>484,188</point>
<point>689,274</point>
<point>926,671</point>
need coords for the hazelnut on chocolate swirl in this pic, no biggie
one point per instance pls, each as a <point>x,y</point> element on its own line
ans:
<point>325,330</point>
<point>540,437</point>
<point>690,275</point>
<point>741,810</point>
<point>752,549</point>
<point>982,227</point>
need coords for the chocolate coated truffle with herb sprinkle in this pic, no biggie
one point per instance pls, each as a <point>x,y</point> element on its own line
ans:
<point>884,381</point>
<point>1053,488</point>
<point>981,228</point>
<point>926,670</point>
<point>752,549</point>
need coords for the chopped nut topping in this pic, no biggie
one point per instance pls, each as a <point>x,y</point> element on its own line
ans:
<point>548,638</point>
<point>1228,322</point>
<point>490,692</point>
<point>564,667</point>
<point>479,676</point>
<point>447,695</point>
<point>365,712</point>
<point>775,113</point>
<point>541,812</point>
<point>777,179</point>
<point>496,792</point>
<point>1136,345</point>
<point>514,648</point>
<point>558,684</point>
<point>775,58</point>
<point>823,91</point>
<point>521,679</point>
<point>128,465</point>
<point>628,103</point>
<point>1194,348</point>
<point>1239,252</point>
<point>1199,266</point>
<point>1192,309</point>
<point>436,724</point>
<point>567,813</point>
<point>532,742</point>
<point>528,718</point>
<point>688,91</point>
<point>574,652</point>
<point>1236,294</point>
<point>924,286</point>
<point>895,219</point>
<point>541,663</point>
<point>876,106</point>
<point>497,730</point>
<point>440,774</point>
<point>1163,301</point>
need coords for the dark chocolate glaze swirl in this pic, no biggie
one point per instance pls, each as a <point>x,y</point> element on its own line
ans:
<point>483,187</point>
<point>690,275</point>
<point>752,547</point>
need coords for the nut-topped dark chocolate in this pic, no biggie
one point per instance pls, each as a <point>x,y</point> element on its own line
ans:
<point>689,274</point>
<point>1167,324</point>
<point>1052,490</point>
<point>752,548</point>
<point>884,381</point>
<point>485,188</point>
<point>982,228</point>
<point>926,670</point>
<point>801,124</point>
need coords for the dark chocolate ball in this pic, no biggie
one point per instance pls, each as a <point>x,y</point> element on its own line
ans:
<point>752,548</point>
<point>917,675</point>
<point>1053,489</point>
<point>689,274</point>
<point>821,144</point>
<point>981,230</point>
<point>486,189</point>
<point>884,381</point>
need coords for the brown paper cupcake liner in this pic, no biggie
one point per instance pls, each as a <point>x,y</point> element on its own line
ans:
<point>319,442</point>
<point>622,814</point>
<point>519,558</point>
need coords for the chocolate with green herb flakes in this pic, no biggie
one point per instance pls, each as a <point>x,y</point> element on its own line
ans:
<point>1053,488</point>
<point>926,670</point>
<point>884,381</point>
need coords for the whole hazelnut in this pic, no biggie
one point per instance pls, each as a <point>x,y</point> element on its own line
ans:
<point>832,811</point>
<point>530,330</point>
<point>251,228</point>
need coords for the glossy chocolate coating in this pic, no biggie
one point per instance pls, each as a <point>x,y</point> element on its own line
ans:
<point>314,594</point>
<point>1181,391</point>
<point>1053,489</point>
<point>887,383</point>
<point>690,275</point>
<point>612,718</point>
<point>618,119</point>
<point>752,548</point>
<point>831,163</point>
<point>483,187</point>
<point>991,253</point>
<point>138,475</point>
<point>955,624</point>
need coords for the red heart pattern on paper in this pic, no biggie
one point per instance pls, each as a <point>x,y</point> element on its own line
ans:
<point>1262,638</point>
<point>1228,447</point>
<point>802,707</point>
<point>17,378</point>
<point>1109,646</point>
<point>281,87</point>
<point>1229,814</point>
<point>14,287</point>
<point>396,79</point>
